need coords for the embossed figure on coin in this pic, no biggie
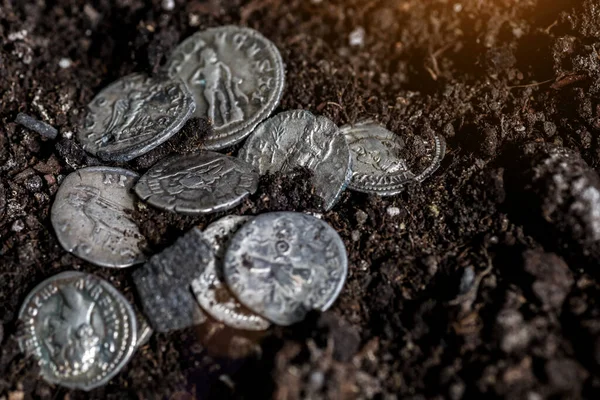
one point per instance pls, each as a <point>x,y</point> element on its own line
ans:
<point>210,288</point>
<point>134,115</point>
<point>79,328</point>
<point>236,76</point>
<point>378,164</point>
<point>197,183</point>
<point>282,265</point>
<point>91,217</point>
<point>300,139</point>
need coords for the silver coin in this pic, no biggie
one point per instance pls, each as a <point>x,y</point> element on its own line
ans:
<point>377,163</point>
<point>134,115</point>
<point>91,217</point>
<point>197,183</point>
<point>163,283</point>
<point>210,288</point>
<point>79,328</point>
<point>300,139</point>
<point>236,76</point>
<point>282,265</point>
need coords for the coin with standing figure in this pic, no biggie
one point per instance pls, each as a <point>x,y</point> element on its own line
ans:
<point>79,329</point>
<point>236,76</point>
<point>134,115</point>
<point>300,139</point>
<point>210,288</point>
<point>283,265</point>
<point>91,216</point>
<point>199,183</point>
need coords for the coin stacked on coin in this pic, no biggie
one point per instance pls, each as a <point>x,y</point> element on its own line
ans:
<point>243,271</point>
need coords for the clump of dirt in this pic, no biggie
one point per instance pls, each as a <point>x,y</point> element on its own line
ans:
<point>480,283</point>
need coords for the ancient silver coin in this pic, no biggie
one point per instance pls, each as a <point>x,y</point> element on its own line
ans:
<point>377,163</point>
<point>197,183</point>
<point>91,216</point>
<point>300,139</point>
<point>163,283</point>
<point>210,288</point>
<point>79,328</point>
<point>282,265</point>
<point>236,76</point>
<point>134,115</point>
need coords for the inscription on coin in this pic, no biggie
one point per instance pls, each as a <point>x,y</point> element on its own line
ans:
<point>91,217</point>
<point>377,162</point>
<point>134,115</point>
<point>236,76</point>
<point>282,265</point>
<point>197,183</point>
<point>163,283</point>
<point>79,328</point>
<point>299,139</point>
<point>210,288</point>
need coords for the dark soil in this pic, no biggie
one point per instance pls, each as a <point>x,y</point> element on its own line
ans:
<point>486,284</point>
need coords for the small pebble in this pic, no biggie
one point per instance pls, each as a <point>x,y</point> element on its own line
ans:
<point>35,125</point>
<point>361,217</point>
<point>65,63</point>
<point>357,37</point>
<point>168,5</point>
<point>393,211</point>
<point>18,226</point>
<point>355,236</point>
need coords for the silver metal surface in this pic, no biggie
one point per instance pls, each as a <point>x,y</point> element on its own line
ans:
<point>210,288</point>
<point>91,217</point>
<point>197,183</point>
<point>300,139</point>
<point>236,76</point>
<point>79,328</point>
<point>377,163</point>
<point>282,265</point>
<point>134,115</point>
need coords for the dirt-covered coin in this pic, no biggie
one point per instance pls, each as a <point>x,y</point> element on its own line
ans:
<point>79,328</point>
<point>300,139</point>
<point>210,288</point>
<point>197,183</point>
<point>378,164</point>
<point>134,115</point>
<point>163,283</point>
<point>283,265</point>
<point>236,76</point>
<point>91,216</point>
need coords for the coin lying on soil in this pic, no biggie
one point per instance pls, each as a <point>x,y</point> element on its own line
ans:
<point>79,329</point>
<point>134,115</point>
<point>282,265</point>
<point>236,76</point>
<point>210,288</point>
<point>91,216</point>
<point>300,139</point>
<point>199,183</point>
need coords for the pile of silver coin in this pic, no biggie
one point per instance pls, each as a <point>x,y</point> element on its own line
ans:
<point>245,272</point>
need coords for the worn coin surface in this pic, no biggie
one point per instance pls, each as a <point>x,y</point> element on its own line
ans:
<point>197,183</point>
<point>91,216</point>
<point>282,265</point>
<point>163,283</point>
<point>210,288</point>
<point>300,139</point>
<point>134,115</point>
<point>79,328</point>
<point>377,163</point>
<point>236,76</point>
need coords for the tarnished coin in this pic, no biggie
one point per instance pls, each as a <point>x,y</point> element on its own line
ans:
<point>377,163</point>
<point>282,265</point>
<point>210,288</point>
<point>236,76</point>
<point>79,328</point>
<point>197,183</point>
<point>300,139</point>
<point>134,115</point>
<point>163,283</point>
<point>91,217</point>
